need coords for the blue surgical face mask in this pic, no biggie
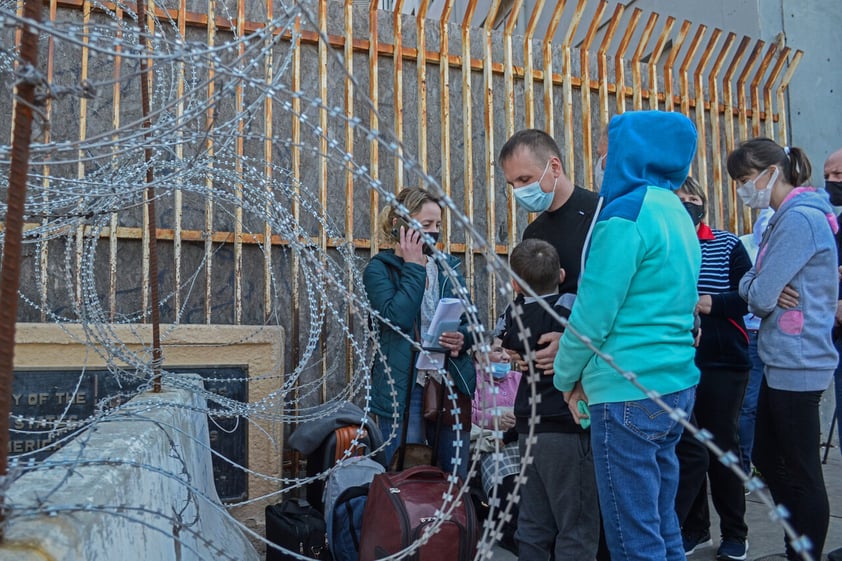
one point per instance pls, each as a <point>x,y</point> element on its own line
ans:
<point>499,369</point>
<point>534,199</point>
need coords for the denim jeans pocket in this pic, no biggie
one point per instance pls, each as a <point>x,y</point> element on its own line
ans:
<point>649,420</point>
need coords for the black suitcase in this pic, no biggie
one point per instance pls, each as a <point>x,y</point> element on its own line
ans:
<point>295,525</point>
<point>331,450</point>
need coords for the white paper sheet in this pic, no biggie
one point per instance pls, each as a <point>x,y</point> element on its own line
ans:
<point>446,318</point>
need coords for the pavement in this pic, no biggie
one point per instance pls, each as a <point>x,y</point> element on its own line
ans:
<point>766,538</point>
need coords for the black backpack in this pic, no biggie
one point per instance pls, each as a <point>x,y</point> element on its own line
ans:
<point>295,525</point>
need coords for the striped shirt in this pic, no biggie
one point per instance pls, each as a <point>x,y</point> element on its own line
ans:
<point>717,246</point>
<point>724,342</point>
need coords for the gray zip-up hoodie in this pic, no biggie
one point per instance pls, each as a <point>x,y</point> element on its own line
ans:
<point>797,249</point>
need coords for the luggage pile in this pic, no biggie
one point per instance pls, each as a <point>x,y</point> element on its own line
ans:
<point>361,512</point>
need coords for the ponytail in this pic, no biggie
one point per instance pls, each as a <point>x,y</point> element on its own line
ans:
<point>799,170</point>
<point>384,225</point>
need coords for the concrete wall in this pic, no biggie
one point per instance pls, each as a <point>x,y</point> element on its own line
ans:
<point>815,95</point>
<point>259,349</point>
<point>138,485</point>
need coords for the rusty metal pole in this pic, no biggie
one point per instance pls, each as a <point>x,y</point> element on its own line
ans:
<point>10,276</point>
<point>157,357</point>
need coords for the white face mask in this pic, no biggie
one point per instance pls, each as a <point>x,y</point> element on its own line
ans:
<point>599,173</point>
<point>754,197</point>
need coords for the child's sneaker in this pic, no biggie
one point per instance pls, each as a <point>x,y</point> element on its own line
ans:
<point>694,541</point>
<point>732,549</point>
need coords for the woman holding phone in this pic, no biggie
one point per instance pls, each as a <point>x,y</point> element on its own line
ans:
<point>404,283</point>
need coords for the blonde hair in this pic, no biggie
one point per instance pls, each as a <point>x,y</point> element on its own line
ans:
<point>692,187</point>
<point>413,199</point>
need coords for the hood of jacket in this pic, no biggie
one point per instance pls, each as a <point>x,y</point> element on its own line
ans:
<point>760,225</point>
<point>645,148</point>
<point>808,197</point>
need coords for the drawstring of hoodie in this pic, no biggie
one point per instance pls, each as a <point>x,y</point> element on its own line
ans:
<point>588,238</point>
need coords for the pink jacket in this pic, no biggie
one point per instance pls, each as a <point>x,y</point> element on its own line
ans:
<point>485,399</point>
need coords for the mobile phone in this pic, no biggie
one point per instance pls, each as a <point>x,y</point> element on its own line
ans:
<point>396,231</point>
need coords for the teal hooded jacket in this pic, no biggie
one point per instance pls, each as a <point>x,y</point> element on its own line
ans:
<point>638,291</point>
<point>395,290</point>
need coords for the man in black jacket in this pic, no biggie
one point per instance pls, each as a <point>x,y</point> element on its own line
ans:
<point>531,162</point>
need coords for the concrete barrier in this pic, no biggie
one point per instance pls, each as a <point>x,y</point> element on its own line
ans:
<point>138,485</point>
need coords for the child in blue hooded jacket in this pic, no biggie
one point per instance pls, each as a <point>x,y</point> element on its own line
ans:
<point>793,289</point>
<point>635,303</point>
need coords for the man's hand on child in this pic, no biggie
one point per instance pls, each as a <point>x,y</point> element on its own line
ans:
<point>545,357</point>
<point>517,361</point>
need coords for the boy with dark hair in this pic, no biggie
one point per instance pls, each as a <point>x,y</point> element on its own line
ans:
<point>559,513</point>
<point>536,263</point>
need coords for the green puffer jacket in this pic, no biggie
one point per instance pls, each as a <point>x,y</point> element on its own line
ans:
<point>395,289</point>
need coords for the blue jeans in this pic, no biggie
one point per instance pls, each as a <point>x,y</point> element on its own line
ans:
<point>637,476</point>
<point>450,449</point>
<point>748,412</point>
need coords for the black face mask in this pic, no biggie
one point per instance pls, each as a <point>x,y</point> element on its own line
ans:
<point>695,211</point>
<point>834,189</point>
<point>428,249</point>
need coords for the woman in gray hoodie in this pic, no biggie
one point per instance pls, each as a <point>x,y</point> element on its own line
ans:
<point>793,289</point>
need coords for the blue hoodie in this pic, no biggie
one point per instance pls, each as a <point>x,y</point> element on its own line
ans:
<point>638,291</point>
<point>797,249</point>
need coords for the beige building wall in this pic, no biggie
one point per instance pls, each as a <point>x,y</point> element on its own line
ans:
<point>259,349</point>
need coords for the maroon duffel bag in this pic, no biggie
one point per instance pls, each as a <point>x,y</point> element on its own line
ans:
<point>402,505</point>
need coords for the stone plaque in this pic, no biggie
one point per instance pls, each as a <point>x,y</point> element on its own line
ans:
<point>41,396</point>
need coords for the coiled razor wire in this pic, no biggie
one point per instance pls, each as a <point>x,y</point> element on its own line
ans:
<point>75,211</point>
